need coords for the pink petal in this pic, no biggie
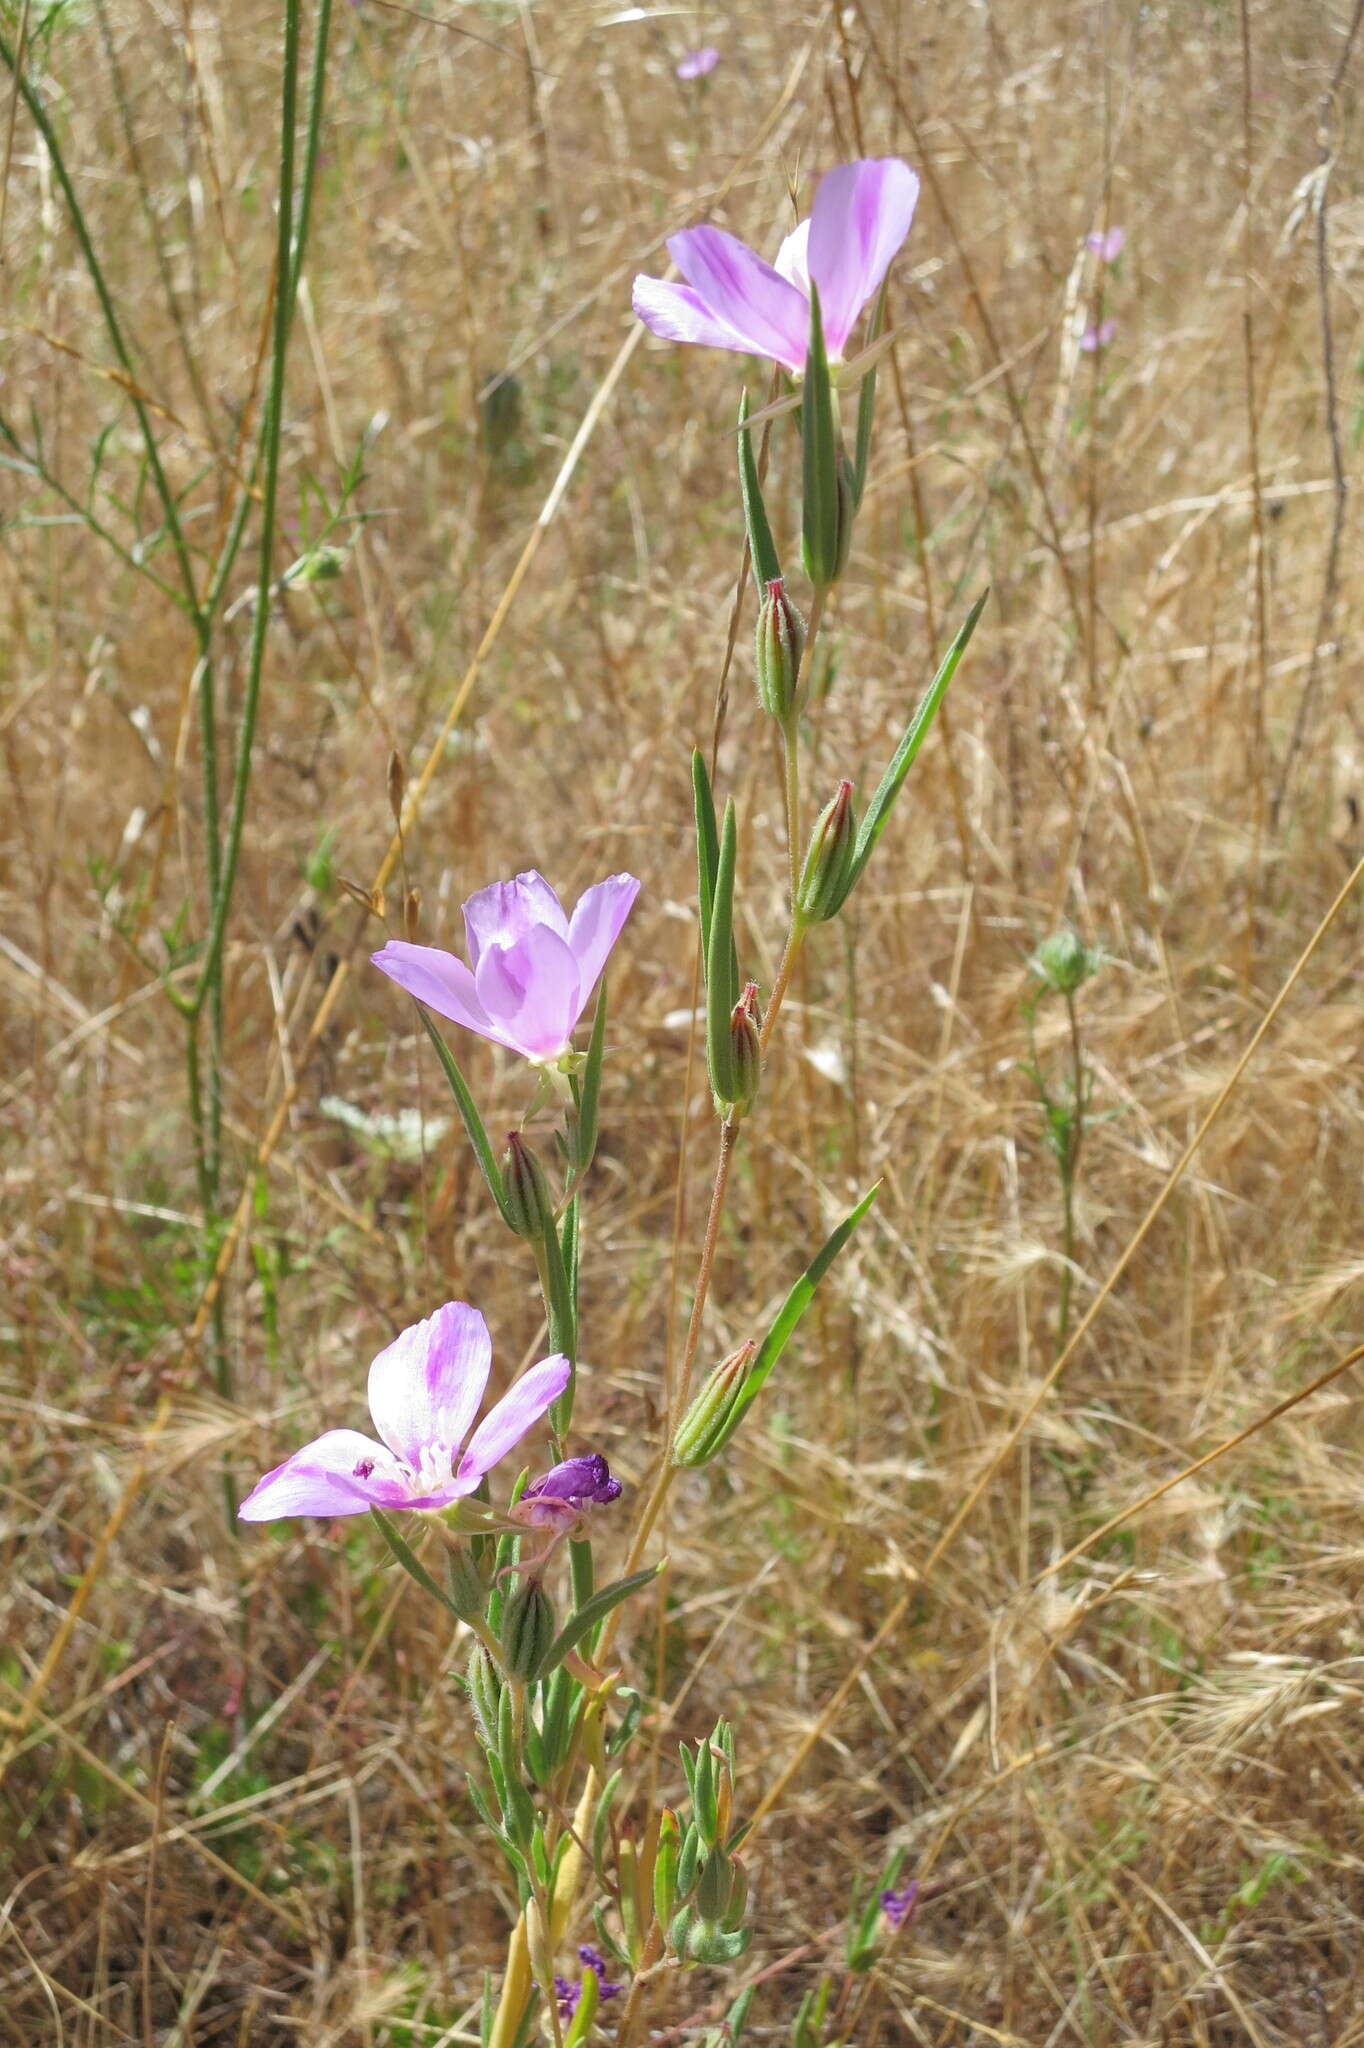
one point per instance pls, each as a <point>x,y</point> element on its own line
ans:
<point>505,911</point>
<point>532,992</point>
<point>508,1420</point>
<point>698,63</point>
<point>438,979</point>
<point>675,312</point>
<point>342,1473</point>
<point>793,258</point>
<point>596,925</point>
<point>425,1388</point>
<point>861,215</point>
<point>744,293</point>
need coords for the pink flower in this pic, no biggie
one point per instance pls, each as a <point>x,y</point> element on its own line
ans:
<point>424,1392</point>
<point>698,63</point>
<point>732,299</point>
<point>1107,247</point>
<point>1098,337</point>
<point>531,969</point>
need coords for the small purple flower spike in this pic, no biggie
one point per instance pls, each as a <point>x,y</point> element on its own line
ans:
<point>1095,338</point>
<point>1107,247</point>
<point>699,63</point>
<point>562,1494</point>
<point>898,1907</point>
<point>732,299</point>
<point>424,1392</point>
<point>567,1994</point>
<point>531,969</point>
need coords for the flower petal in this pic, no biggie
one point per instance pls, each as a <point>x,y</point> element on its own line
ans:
<point>532,992</point>
<point>675,312</point>
<point>506,911</point>
<point>425,1388</point>
<point>793,258</point>
<point>596,925</point>
<point>341,1473</point>
<point>508,1420</point>
<point>440,980</point>
<point>744,293</point>
<point>861,215</point>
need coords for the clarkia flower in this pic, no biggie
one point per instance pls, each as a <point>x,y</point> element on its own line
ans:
<point>559,1498</point>
<point>732,299</point>
<point>898,1907</point>
<point>699,63</point>
<point>1095,338</point>
<point>531,969</point>
<point>424,1391</point>
<point>1107,247</point>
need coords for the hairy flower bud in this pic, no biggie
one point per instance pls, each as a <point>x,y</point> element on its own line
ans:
<point>530,1207</point>
<point>778,647</point>
<point>1064,961</point>
<point>705,1427</point>
<point>528,1630</point>
<point>827,875</point>
<point>746,1049</point>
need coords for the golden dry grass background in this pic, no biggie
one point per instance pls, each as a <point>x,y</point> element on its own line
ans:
<point>1133,1790</point>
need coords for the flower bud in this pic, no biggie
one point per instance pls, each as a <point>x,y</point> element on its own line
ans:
<point>827,875</point>
<point>1064,961</point>
<point>468,1584</point>
<point>485,1695</point>
<point>778,647</point>
<point>714,1886</point>
<point>528,1630</point>
<point>704,1429</point>
<point>745,1049</point>
<point>530,1207</point>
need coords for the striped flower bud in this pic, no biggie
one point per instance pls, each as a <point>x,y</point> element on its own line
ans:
<point>746,1049</point>
<point>778,647</point>
<point>827,875</point>
<point>530,1206</point>
<point>708,1423</point>
<point>528,1630</point>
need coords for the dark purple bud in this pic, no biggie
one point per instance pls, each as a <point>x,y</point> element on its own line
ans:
<point>562,1494</point>
<point>898,1907</point>
<point>778,648</point>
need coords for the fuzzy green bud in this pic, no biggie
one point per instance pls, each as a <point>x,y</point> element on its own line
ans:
<point>746,1049</point>
<point>530,1206</point>
<point>715,1886</point>
<point>827,875</point>
<point>704,1429</point>
<point>485,1695</point>
<point>1063,962</point>
<point>778,647</point>
<point>468,1584</point>
<point>528,1630</point>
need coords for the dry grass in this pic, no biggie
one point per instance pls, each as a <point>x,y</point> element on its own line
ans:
<point>1133,1787</point>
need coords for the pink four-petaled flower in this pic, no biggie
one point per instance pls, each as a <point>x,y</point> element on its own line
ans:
<point>424,1391</point>
<point>733,299</point>
<point>699,63</point>
<point>531,969</point>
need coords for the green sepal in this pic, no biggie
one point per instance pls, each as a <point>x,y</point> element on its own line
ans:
<point>469,1117</point>
<point>879,809</point>
<point>866,404</point>
<point>595,1610</point>
<point>819,469</point>
<point>761,547</point>
<point>722,976</point>
<point>412,1564</point>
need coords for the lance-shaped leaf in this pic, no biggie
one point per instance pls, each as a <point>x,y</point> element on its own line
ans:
<point>819,467</point>
<point>722,966</point>
<point>411,1563</point>
<point>879,809</point>
<point>866,403</point>
<point>707,845</point>
<point>762,551</point>
<point>561,1310</point>
<point>595,1610</point>
<point>587,1094</point>
<point>469,1116</point>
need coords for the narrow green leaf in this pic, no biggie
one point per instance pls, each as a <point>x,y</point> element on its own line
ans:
<point>879,809</point>
<point>866,403</point>
<point>584,1137</point>
<point>722,979</point>
<point>761,547</point>
<point>469,1116</point>
<point>563,1330</point>
<point>707,844</point>
<point>411,1563</point>
<point>819,468</point>
<point>596,1610</point>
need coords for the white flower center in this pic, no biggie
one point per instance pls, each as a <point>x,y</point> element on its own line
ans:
<point>432,1469</point>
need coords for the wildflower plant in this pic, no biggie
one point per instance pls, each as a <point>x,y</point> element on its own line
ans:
<point>621,1876</point>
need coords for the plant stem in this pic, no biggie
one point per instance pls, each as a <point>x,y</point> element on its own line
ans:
<point>1069,1166</point>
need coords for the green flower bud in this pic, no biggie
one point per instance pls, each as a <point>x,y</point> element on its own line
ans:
<point>319,565</point>
<point>1063,962</point>
<point>704,1429</point>
<point>468,1584</point>
<point>530,1206</point>
<point>827,875</point>
<point>746,1050</point>
<point>715,1886</point>
<point>778,647</point>
<point>528,1630</point>
<point>485,1695</point>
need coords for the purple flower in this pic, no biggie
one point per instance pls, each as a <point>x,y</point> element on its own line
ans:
<point>1098,337</point>
<point>568,1994</point>
<point>732,299</point>
<point>698,63</point>
<point>560,1497</point>
<point>531,969</point>
<point>424,1392</point>
<point>1107,247</point>
<point>898,1907</point>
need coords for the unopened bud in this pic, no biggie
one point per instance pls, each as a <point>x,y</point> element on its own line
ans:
<point>1064,961</point>
<point>318,565</point>
<point>778,647</point>
<point>527,1630</point>
<point>397,783</point>
<point>530,1207</point>
<point>468,1584</point>
<point>412,913</point>
<point>706,1426</point>
<point>745,1049</point>
<point>827,875</point>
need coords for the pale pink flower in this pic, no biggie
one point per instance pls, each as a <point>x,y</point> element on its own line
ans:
<point>1107,247</point>
<point>732,299</point>
<point>425,1389</point>
<point>698,63</point>
<point>1098,337</point>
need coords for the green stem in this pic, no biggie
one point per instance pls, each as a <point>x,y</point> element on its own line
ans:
<point>1069,1167</point>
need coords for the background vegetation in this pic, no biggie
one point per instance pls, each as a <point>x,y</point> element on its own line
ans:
<point>234,1793</point>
